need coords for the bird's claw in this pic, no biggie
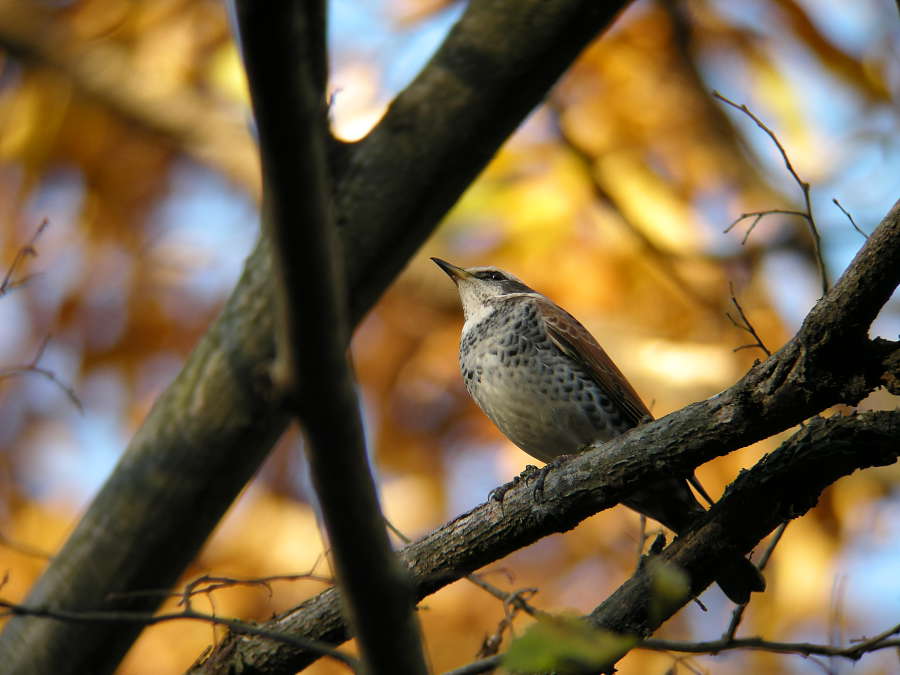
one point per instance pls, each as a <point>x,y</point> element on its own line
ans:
<point>538,492</point>
<point>497,494</point>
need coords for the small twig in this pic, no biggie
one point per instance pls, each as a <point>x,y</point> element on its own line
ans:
<point>208,584</point>
<point>849,217</point>
<point>28,250</point>
<point>33,368</point>
<point>757,216</point>
<point>513,602</point>
<point>738,614</point>
<point>745,325</point>
<point>10,283</point>
<point>698,486</point>
<point>515,599</point>
<point>491,644</point>
<point>235,625</point>
<point>804,188</point>
<point>852,652</point>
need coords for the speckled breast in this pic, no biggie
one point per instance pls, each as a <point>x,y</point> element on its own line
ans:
<point>542,400</point>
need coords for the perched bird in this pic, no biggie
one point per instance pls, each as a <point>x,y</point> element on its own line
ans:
<point>547,384</point>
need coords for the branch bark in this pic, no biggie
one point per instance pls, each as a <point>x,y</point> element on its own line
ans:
<point>211,429</point>
<point>781,487</point>
<point>291,114</point>
<point>829,361</point>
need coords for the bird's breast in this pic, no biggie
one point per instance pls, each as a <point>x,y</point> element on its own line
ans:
<point>537,397</point>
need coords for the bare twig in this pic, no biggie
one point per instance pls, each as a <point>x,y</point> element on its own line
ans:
<point>10,283</point>
<point>209,584</point>
<point>511,606</point>
<point>853,652</point>
<point>34,369</point>
<point>28,250</point>
<point>804,188</point>
<point>757,216</point>
<point>745,325</point>
<point>849,217</point>
<point>145,619</point>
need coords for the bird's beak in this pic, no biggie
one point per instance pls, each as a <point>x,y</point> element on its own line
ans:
<point>454,272</point>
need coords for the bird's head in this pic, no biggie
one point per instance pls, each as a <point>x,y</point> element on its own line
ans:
<point>480,287</point>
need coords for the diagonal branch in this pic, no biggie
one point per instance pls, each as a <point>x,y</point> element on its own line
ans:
<point>211,429</point>
<point>782,486</point>
<point>829,361</point>
<point>289,103</point>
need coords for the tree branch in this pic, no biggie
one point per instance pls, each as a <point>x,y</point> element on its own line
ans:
<point>782,486</point>
<point>211,429</point>
<point>287,83</point>
<point>829,361</point>
<point>187,614</point>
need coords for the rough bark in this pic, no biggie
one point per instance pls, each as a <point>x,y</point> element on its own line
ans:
<point>782,486</point>
<point>212,428</point>
<point>290,108</point>
<point>829,361</point>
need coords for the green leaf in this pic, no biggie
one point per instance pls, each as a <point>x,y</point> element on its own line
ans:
<point>565,645</point>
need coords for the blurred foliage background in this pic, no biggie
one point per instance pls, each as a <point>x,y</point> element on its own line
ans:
<point>125,125</point>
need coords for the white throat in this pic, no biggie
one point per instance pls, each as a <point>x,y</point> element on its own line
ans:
<point>476,312</point>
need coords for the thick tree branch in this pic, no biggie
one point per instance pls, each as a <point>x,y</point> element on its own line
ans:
<point>829,361</point>
<point>211,429</point>
<point>289,103</point>
<point>782,486</point>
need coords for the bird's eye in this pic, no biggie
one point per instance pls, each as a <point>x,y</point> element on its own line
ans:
<point>492,276</point>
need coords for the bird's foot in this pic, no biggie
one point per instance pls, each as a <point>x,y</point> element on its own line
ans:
<point>542,476</point>
<point>497,494</point>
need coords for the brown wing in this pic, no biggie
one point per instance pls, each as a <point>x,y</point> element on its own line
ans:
<point>573,340</point>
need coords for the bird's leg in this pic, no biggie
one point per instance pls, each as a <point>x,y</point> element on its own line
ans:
<point>497,494</point>
<point>542,476</point>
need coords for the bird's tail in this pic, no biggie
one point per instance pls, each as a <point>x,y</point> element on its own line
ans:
<point>739,579</point>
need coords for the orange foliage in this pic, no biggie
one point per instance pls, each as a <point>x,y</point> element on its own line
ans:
<point>602,201</point>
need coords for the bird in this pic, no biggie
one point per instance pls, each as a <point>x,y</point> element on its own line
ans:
<point>549,386</point>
